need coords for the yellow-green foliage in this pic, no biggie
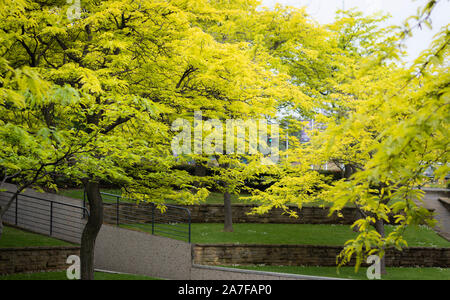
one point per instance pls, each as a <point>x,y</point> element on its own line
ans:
<point>94,99</point>
<point>387,121</point>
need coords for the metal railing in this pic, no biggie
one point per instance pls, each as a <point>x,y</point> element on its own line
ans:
<point>174,222</point>
<point>57,219</point>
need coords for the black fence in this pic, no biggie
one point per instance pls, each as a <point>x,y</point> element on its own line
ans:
<point>57,219</point>
<point>165,220</point>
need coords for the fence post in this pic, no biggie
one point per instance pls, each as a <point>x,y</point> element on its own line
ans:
<point>17,204</point>
<point>84,203</point>
<point>189,220</point>
<point>153,218</point>
<point>51,218</point>
<point>117,210</point>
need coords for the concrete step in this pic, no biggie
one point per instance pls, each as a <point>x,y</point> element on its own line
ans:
<point>445,202</point>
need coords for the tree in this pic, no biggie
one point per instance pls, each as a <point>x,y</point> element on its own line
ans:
<point>102,56</point>
<point>271,38</point>
<point>115,79</point>
<point>388,125</point>
<point>94,99</point>
<point>224,21</point>
<point>102,59</point>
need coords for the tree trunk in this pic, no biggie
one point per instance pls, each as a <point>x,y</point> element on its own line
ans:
<point>4,209</point>
<point>199,171</point>
<point>358,215</point>
<point>349,170</point>
<point>91,230</point>
<point>228,226</point>
<point>228,215</point>
<point>379,226</point>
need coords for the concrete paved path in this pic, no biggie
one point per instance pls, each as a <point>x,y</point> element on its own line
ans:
<point>431,201</point>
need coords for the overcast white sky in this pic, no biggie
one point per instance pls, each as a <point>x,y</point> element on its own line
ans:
<point>324,12</point>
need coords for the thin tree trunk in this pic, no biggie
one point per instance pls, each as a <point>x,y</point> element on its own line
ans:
<point>8,205</point>
<point>4,209</point>
<point>379,226</point>
<point>349,170</point>
<point>228,214</point>
<point>199,171</point>
<point>91,230</point>
<point>228,226</point>
<point>358,215</point>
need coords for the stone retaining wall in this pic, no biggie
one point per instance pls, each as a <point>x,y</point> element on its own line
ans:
<point>214,213</point>
<point>310,255</point>
<point>35,259</point>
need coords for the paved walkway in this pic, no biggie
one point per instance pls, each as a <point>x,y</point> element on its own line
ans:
<point>431,201</point>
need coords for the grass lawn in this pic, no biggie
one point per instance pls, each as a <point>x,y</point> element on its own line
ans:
<point>349,272</point>
<point>62,276</point>
<point>332,235</point>
<point>13,237</point>
<point>295,234</point>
